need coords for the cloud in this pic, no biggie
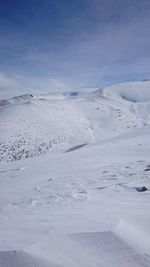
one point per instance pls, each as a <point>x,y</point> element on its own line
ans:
<point>8,85</point>
<point>98,42</point>
<point>6,82</point>
<point>11,86</point>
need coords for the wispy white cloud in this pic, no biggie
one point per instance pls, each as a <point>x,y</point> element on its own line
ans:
<point>11,86</point>
<point>6,82</point>
<point>100,42</point>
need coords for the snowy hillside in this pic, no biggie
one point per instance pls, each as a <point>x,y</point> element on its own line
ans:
<point>30,126</point>
<point>132,92</point>
<point>75,178</point>
<point>33,125</point>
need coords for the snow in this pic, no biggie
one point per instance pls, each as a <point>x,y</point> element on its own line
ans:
<point>76,203</point>
<point>31,126</point>
<point>23,259</point>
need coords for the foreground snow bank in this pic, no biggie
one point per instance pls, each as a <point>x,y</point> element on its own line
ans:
<point>136,232</point>
<point>22,259</point>
<point>90,249</point>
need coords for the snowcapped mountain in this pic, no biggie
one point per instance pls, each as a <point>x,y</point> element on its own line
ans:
<point>74,173</point>
<point>33,125</point>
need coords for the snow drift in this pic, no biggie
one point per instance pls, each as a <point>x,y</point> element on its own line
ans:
<point>22,259</point>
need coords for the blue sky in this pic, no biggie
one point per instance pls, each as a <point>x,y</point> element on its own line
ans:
<point>53,45</point>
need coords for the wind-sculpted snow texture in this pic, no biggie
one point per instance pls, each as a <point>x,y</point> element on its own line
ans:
<point>75,178</point>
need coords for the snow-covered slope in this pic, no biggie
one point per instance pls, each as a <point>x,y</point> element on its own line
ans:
<point>135,95</point>
<point>85,202</point>
<point>131,91</point>
<point>23,259</point>
<point>31,126</point>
